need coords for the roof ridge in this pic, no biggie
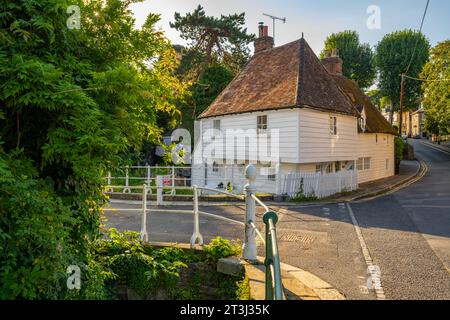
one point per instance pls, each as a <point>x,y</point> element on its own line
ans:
<point>301,71</point>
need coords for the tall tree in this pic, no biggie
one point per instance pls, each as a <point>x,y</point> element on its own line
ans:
<point>400,52</point>
<point>216,52</point>
<point>214,40</point>
<point>72,103</point>
<point>357,57</point>
<point>436,99</point>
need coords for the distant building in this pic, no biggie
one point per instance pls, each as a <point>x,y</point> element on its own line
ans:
<point>386,112</point>
<point>418,128</point>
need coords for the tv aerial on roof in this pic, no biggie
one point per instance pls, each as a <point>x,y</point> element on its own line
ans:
<point>274,18</point>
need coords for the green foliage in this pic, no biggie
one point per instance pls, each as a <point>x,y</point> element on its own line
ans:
<point>392,57</point>
<point>143,269</point>
<point>358,58</point>
<point>436,99</point>
<point>34,225</point>
<point>214,40</point>
<point>210,84</point>
<point>221,248</point>
<point>72,104</point>
<point>401,147</point>
<point>216,52</point>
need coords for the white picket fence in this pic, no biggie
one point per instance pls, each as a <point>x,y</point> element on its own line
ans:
<point>319,185</point>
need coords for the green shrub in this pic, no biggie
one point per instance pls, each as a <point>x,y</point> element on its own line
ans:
<point>221,248</point>
<point>401,147</point>
<point>141,267</point>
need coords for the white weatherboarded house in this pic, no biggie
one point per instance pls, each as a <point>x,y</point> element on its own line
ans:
<point>326,133</point>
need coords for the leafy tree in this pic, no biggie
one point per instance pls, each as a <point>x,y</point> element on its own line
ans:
<point>217,49</point>
<point>214,40</point>
<point>436,100</point>
<point>203,92</point>
<point>394,53</point>
<point>73,102</point>
<point>357,57</point>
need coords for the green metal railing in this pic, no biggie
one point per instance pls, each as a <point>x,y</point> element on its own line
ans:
<point>274,287</point>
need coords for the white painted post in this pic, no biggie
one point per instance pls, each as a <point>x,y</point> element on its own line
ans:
<point>127,187</point>
<point>149,179</point>
<point>173,181</point>
<point>225,177</point>
<point>144,234</point>
<point>249,246</point>
<point>159,191</point>
<point>196,235</point>
<point>278,182</point>
<point>109,182</point>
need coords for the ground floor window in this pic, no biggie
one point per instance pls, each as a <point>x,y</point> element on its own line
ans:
<point>388,164</point>
<point>363,164</point>
<point>215,167</point>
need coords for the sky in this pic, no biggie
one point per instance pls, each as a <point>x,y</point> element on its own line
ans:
<point>315,18</point>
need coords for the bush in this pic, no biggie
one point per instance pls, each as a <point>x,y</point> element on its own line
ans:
<point>34,229</point>
<point>221,248</point>
<point>141,267</point>
<point>401,147</point>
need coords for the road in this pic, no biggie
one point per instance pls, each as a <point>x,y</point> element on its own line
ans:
<point>408,232</point>
<point>405,235</point>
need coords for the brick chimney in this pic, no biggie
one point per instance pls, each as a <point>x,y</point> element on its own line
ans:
<point>264,42</point>
<point>332,62</point>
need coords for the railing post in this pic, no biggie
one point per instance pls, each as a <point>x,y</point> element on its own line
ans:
<point>225,185</point>
<point>196,235</point>
<point>149,179</point>
<point>144,234</point>
<point>173,181</point>
<point>159,191</point>
<point>109,182</point>
<point>127,187</point>
<point>249,247</point>
<point>272,261</point>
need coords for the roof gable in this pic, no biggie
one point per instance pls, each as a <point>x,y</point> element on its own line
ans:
<point>375,122</point>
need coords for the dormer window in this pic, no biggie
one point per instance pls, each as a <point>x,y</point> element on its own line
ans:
<point>362,123</point>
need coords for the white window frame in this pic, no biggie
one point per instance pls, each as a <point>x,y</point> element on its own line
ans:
<point>333,126</point>
<point>217,124</point>
<point>215,167</point>
<point>364,164</point>
<point>262,126</point>
<point>367,163</point>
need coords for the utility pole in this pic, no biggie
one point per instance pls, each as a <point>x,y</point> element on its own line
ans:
<point>402,85</point>
<point>273,20</point>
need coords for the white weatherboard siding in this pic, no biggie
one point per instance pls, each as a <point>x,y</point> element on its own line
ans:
<point>317,144</point>
<point>286,121</point>
<point>378,152</point>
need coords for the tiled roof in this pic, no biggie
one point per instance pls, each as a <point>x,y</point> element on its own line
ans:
<point>289,76</point>
<point>375,122</point>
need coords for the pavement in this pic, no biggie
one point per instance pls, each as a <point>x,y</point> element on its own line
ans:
<point>405,235</point>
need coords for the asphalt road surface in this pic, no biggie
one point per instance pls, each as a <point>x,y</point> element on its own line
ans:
<point>405,235</point>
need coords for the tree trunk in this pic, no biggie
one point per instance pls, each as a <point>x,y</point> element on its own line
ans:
<point>391,115</point>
